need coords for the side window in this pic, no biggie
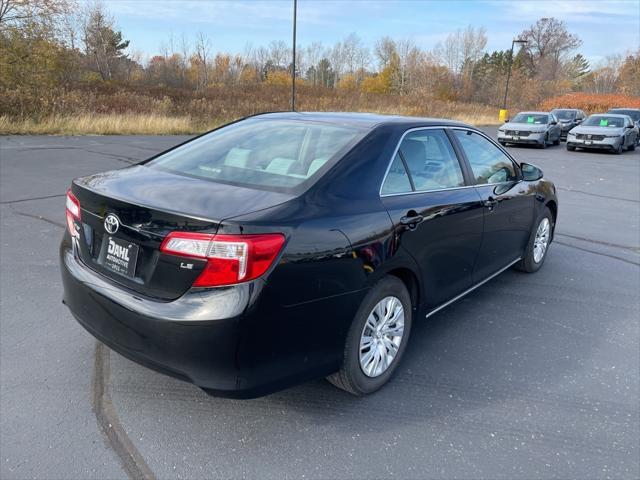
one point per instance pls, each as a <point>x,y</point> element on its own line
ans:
<point>397,180</point>
<point>488,163</point>
<point>431,160</point>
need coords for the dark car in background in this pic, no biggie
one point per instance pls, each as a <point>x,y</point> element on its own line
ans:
<point>612,132</point>
<point>568,118</point>
<point>531,128</point>
<point>293,246</point>
<point>634,113</point>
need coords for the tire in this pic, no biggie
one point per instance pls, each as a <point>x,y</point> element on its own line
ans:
<point>557,141</point>
<point>351,377</point>
<point>620,149</point>
<point>545,141</point>
<point>632,147</point>
<point>571,148</point>
<point>528,263</point>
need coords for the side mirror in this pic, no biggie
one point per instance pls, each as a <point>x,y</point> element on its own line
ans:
<point>578,121</point>
<point>630,126</point>
<point>530,173</point>
<point>553,123</point>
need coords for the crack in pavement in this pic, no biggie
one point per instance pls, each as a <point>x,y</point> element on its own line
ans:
<point>600,242</point>
<point>597,253</point>
<point>40,217</point>
<point>564,189</point>
<point>9,202</point>
<point>132,461</point>
<point>121,158</point>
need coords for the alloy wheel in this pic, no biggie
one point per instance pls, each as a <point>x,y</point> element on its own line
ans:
<point>381,336</point>
<point>541,241</point>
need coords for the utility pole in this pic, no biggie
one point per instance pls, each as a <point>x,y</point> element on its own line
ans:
<point>293,63</point>
<point>503,111</point>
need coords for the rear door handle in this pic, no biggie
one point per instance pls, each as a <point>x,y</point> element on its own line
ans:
<point>490,203</point>
<point>411,221</point>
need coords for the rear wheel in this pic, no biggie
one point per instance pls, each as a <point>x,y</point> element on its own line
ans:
<point>570,148</point>
<point>538,244</point>
<point>557,141</point>
<point>376,339</point>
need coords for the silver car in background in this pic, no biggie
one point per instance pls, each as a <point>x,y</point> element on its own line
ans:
<point>634,113</point>
<point>531,128</point>
<point>568,118</point>
<point>608,131</point>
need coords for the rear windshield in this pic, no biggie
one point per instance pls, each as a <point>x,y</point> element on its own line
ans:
<point>565,114</point>
<point>262,153</point>
<point>604,121</point>
<point>634,114</point>
<point>533,118</point>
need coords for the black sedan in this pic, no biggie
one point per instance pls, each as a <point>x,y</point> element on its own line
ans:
<point>292,246</point>
<point>568,118</point>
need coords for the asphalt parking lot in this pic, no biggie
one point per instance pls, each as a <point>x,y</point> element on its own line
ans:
<point>530,376</point>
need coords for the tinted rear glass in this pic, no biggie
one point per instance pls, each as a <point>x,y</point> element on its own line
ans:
<point>565,114</point>
<point>262,153</point>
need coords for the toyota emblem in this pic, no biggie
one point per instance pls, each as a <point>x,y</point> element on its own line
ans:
<point>111,223</point>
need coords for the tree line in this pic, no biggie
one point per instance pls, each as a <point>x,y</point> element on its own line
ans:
<point>54,44</point>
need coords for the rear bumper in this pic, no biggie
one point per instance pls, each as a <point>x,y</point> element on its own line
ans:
<point>228,341</point>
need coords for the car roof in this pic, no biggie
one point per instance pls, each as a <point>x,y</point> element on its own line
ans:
<point>624,108</point>
<point>567,109</point>
<point>615,115</point>
<point>363,120</point>
<point>535,113</point>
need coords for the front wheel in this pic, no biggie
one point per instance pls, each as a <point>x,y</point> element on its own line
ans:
<point>376,339</point>
<point>545,141</point>
<point>620,149</point>
<point>538,244</point>
<point>571,148</point>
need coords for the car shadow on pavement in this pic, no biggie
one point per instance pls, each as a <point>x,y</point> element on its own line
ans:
<point>508,358</point>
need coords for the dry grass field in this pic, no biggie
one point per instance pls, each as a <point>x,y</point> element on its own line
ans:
<point>121,110</point>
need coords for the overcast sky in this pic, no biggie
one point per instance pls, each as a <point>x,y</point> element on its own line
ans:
<point>605,26</point>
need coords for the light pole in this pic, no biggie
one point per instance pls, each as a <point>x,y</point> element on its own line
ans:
<point>504,111</point>
<point>293,63</point>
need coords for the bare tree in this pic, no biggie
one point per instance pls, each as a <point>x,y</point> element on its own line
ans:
<point>461,49</point>
<point>202,54</point>
<point>313,53</point>
<point>21,12</point>
<point>604,78</point>
<point>279,53</point>
<point>337,59</point>
<point>351,47</point>
<point>548,44</point>
<point>384,50</point>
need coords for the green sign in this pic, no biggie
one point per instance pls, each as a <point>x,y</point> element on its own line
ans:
<point>529,119</point>
<point>604,122</point>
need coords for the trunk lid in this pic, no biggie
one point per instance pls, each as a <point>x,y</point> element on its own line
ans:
<point>148,204</point>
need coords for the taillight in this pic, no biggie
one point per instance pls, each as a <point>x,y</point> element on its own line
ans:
<point>230,258</point>
<point>73,213</point>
